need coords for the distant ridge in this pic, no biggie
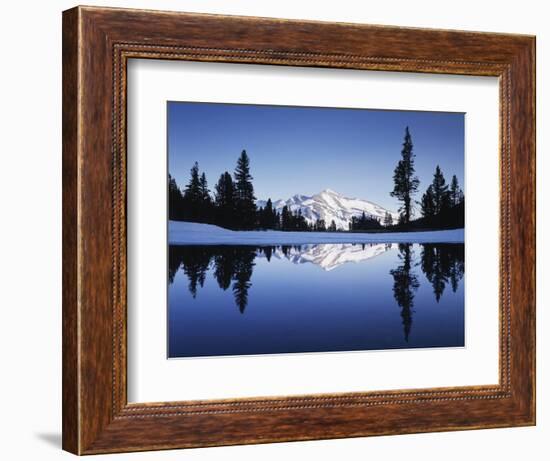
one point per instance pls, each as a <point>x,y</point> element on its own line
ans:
<point>331,206</point>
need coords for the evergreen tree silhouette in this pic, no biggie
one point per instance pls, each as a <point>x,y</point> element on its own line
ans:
<point>442,264</point>
<point>245,201</point>
<point>224,200</point>
<point>224,267</point>
<point>174,263</point>
<point>456,270</point>
<point>260,218</point>
<point>207,206</point>
<point>440,190</point>
<point>300,223</point>
<point>204,191</point>
<point>320,225</point>
<point>388,220</point>
<point>243,273</point>
<point>267,216</point>
<point>286,249</point>
<point>195,261</point>
<point>428,203</point>
<point>193,196</point>
<point>232,266</point>
<point>405,284</point>
<point>405,181</point>
<point>286,219</point>
<point>456,194</point>
<point>268,251</point>
<point>277,220</point>
<point>175,200</point>
<point>364,223</point>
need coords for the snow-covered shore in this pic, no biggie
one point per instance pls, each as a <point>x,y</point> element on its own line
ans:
<point>187,233</point>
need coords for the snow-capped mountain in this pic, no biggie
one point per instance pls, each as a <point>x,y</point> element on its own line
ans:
<point>330,205</point>
<point>332,255</point>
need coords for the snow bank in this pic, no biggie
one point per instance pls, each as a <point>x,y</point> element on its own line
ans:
<point>188,233</point>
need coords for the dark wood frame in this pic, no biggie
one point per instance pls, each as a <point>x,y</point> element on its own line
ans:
<point>97,43</point>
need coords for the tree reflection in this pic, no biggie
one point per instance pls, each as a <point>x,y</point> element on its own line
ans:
<point>232,267</point>
<point>405,284</point>
<point>194,260</point>
<point>230,264</point>
<point>224,267</point>
<point>443,264</point>
<point>244,262</point>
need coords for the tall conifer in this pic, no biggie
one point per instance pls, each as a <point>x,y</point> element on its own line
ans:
<point>405,181</point>
<point>245,201</point>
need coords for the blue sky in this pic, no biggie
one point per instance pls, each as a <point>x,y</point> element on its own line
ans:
<point>303,150</point>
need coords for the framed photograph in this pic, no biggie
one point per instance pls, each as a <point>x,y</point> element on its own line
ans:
<point>282,230</point>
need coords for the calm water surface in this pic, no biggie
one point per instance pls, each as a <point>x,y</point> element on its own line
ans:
<point>240,300</point>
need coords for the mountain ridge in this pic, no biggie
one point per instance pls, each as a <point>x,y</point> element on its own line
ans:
<point>330,205</point>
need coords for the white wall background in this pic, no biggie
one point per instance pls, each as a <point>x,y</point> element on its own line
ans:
<point>30,229</point>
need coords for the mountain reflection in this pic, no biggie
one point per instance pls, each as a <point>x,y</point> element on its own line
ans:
<point>233,266</point>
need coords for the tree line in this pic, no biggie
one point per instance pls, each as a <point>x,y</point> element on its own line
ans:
<point>441,205</point>
<point>234,203</point>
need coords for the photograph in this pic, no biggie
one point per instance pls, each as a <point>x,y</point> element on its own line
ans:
<point>313,229</point>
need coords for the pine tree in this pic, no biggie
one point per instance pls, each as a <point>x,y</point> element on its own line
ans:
<point>224,200</point>
<point>207,206</point>
<point>440,192</point>
<point>405,181</point>
<point>456,194</point>
<point>332,227</point>
<point>204,191</point>
<point>286,219</point>
<point>427,204</point>
<point>245,201</point>
<point>261,218</point>
<point>193,198</point>
<point>175,200</point>
<point>193,189</point>
<point>300,222</point>
<point>388,220</point>
<point>268,216</point>
<point>363,223</point>
<point>277,220</point>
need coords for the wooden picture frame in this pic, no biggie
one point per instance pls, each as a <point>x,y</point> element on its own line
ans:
<point>97,43</point>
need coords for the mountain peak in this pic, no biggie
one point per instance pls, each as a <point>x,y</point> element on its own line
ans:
<point>329,206</point>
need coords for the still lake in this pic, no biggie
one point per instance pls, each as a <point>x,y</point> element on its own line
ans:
<point>241,300</point>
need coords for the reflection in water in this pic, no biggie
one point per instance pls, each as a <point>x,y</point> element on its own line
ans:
<point>231,264</point>
<point>244,262</point>
<point>442,264</point>
<point>239,299</point>
<point>235,263</point>
<point>405,283</point>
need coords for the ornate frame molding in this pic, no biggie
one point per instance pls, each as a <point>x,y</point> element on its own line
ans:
<point>97,44</point>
